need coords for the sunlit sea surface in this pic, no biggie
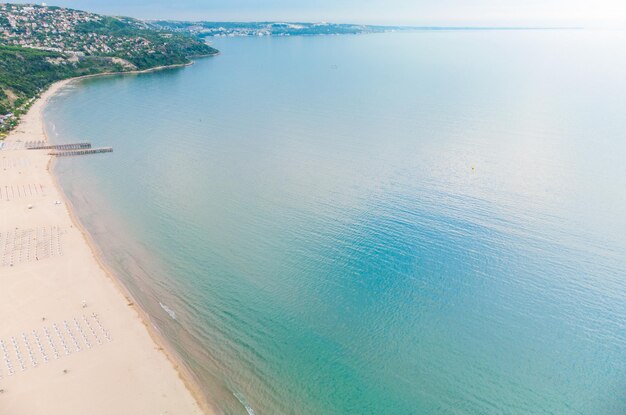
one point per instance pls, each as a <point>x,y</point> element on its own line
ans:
<point>423,223</point>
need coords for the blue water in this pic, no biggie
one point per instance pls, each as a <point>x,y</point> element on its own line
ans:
<point>424,223</point>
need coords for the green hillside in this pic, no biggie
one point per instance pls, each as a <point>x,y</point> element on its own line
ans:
<point>24,72</point>
<point>41,44</point>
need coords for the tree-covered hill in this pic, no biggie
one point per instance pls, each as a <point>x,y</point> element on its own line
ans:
<point>24,72</point>
<point>42,44</point>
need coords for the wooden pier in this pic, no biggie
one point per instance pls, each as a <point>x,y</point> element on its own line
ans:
<point>81,152</point>
<point>73,146</point>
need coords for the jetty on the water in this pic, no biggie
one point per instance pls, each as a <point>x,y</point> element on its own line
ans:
<point>80,152</point>
<point>72,149</point>
<point>44,146</point>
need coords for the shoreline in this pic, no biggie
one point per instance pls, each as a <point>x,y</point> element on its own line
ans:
<point>184,372</point>
<point>63,82</point>
<point>34,120</point>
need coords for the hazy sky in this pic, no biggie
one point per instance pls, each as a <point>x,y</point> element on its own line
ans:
<point>474,12</point>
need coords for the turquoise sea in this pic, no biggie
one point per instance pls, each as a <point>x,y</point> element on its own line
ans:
<point>404,223</point>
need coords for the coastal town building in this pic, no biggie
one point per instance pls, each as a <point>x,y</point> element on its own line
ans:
<point>65,30</point>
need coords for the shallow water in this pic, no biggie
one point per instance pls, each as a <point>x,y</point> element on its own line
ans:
<point>424,223</point>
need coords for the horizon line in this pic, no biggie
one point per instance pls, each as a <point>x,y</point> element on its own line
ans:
<point>402,26</point>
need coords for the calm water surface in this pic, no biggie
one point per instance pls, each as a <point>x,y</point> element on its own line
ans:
<point>425,223</point>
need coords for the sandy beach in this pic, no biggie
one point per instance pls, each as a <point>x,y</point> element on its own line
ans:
<point>71,341</point>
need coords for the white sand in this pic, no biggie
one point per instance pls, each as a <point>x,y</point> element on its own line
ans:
<point>50,278</point>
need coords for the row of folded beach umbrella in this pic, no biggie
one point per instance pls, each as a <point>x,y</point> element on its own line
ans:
<point>31,347</point>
